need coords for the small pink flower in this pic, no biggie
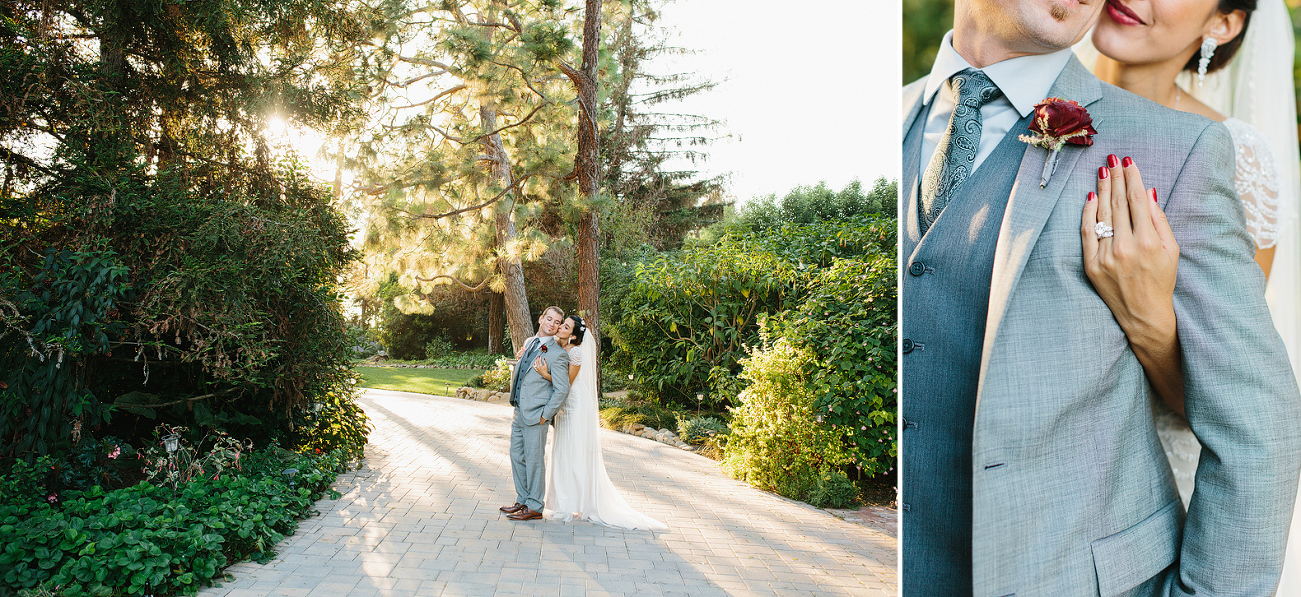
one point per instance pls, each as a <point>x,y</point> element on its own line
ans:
<point>117,451</point>
<point>51,498</point>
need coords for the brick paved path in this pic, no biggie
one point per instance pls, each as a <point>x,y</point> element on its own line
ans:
<point>420,518</point>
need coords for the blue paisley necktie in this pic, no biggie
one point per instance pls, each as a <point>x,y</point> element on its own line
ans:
<point>955,155</point>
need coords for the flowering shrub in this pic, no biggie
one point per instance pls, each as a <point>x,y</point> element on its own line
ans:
<point>191,462</point>
<point>497,378</point>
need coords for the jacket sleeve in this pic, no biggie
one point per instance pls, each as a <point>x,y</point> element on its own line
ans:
<point>559,368</point>
<point>1240,392</point>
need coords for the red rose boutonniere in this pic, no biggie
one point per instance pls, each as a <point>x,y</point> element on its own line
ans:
<point>544,348</point>
<point>1059,122</point>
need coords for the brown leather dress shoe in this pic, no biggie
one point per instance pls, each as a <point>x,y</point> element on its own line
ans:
<point>525,514</point>
<point>512,509</point>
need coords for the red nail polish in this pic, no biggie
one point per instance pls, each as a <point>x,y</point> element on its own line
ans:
<point>1103,173</point>
<point>1112,161</point>
<point>1127,162</point>
<point>1153,195</point>
<point>1092,196</point>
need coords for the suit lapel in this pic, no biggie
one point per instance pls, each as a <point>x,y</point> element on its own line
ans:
<point>1029,206</point>
<point>525,361</point>
<point>912,102</point>
<point>911,237</point>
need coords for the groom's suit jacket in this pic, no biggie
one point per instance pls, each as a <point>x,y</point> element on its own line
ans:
<point>1070,491</point>
<point>536,397</point>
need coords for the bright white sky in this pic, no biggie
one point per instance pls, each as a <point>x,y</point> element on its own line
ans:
<point>809,89</point>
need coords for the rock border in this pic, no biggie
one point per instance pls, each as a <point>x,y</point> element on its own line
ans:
<point>481,395</point>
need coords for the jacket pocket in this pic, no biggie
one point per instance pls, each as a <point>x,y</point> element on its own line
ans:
<point>1127,558</point>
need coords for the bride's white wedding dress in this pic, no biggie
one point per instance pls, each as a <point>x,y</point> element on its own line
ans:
<point>578,486</point>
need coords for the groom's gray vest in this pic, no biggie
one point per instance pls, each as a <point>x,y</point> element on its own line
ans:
<point>945,298</point>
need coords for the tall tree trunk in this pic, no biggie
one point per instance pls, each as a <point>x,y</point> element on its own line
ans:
<point>496,317</point>
<point>587,164</point>
<point>512,270</point>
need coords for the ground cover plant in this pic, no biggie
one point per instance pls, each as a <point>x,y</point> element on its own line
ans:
<point>155,539</point>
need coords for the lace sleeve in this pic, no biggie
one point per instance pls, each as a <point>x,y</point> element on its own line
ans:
<point>1257,182</point>
<point>575,357</point>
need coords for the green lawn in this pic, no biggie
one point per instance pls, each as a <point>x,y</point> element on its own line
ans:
<point>442,382</point>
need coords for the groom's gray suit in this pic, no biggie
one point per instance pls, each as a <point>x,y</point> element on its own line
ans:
<point>534,399</point>
<point>1030,462</point>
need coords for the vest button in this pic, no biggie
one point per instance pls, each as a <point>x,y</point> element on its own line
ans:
<point>907,345</point>
<point>917,268</point>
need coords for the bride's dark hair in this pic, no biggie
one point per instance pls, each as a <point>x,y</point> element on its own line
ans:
<point>580,329</point>
<point>1224,53</point>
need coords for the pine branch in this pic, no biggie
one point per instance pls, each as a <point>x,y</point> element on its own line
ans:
<point>481,285</point>
<point>525,76</point>
<point>432,99</point>
<point>494,199</point>
<point>425,62</point>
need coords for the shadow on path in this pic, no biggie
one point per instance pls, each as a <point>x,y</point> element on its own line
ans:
<point>420,517</point>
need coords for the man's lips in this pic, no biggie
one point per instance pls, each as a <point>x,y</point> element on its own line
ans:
<point>1122,14</point>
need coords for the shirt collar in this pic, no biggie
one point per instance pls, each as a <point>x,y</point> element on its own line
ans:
<point>1024,81</point>
<point>544,339</point>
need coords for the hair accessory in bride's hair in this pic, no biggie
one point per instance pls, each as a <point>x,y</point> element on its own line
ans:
<point>1208,50</point>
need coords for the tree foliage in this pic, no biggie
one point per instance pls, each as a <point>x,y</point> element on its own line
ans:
<point>160,261</point>
<point>440,199</point>
<point>924,25</point>
<point>806,205</point>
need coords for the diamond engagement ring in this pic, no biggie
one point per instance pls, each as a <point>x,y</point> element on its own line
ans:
<point>1102,230</point>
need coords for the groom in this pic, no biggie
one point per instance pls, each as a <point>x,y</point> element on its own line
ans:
<point>1030,462</point>
<point>536,401</point>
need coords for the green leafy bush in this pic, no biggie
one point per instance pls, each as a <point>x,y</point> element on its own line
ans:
<point>439,346</point>
<point>477,359</point>
<point>852,343</point>
<point>148,539</point>
<point>682,322</point>
<point>688,313</point>
<point>776,443</point>
<point>833,490</point>
<point>61,315</point>
<point>363,341</point>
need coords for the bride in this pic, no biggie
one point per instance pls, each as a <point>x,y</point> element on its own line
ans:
<point>1182,54</point>
<point>578,487</point>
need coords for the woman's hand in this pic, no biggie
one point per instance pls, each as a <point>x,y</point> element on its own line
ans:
<point>1133,270</point>
<point>540,366</point>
